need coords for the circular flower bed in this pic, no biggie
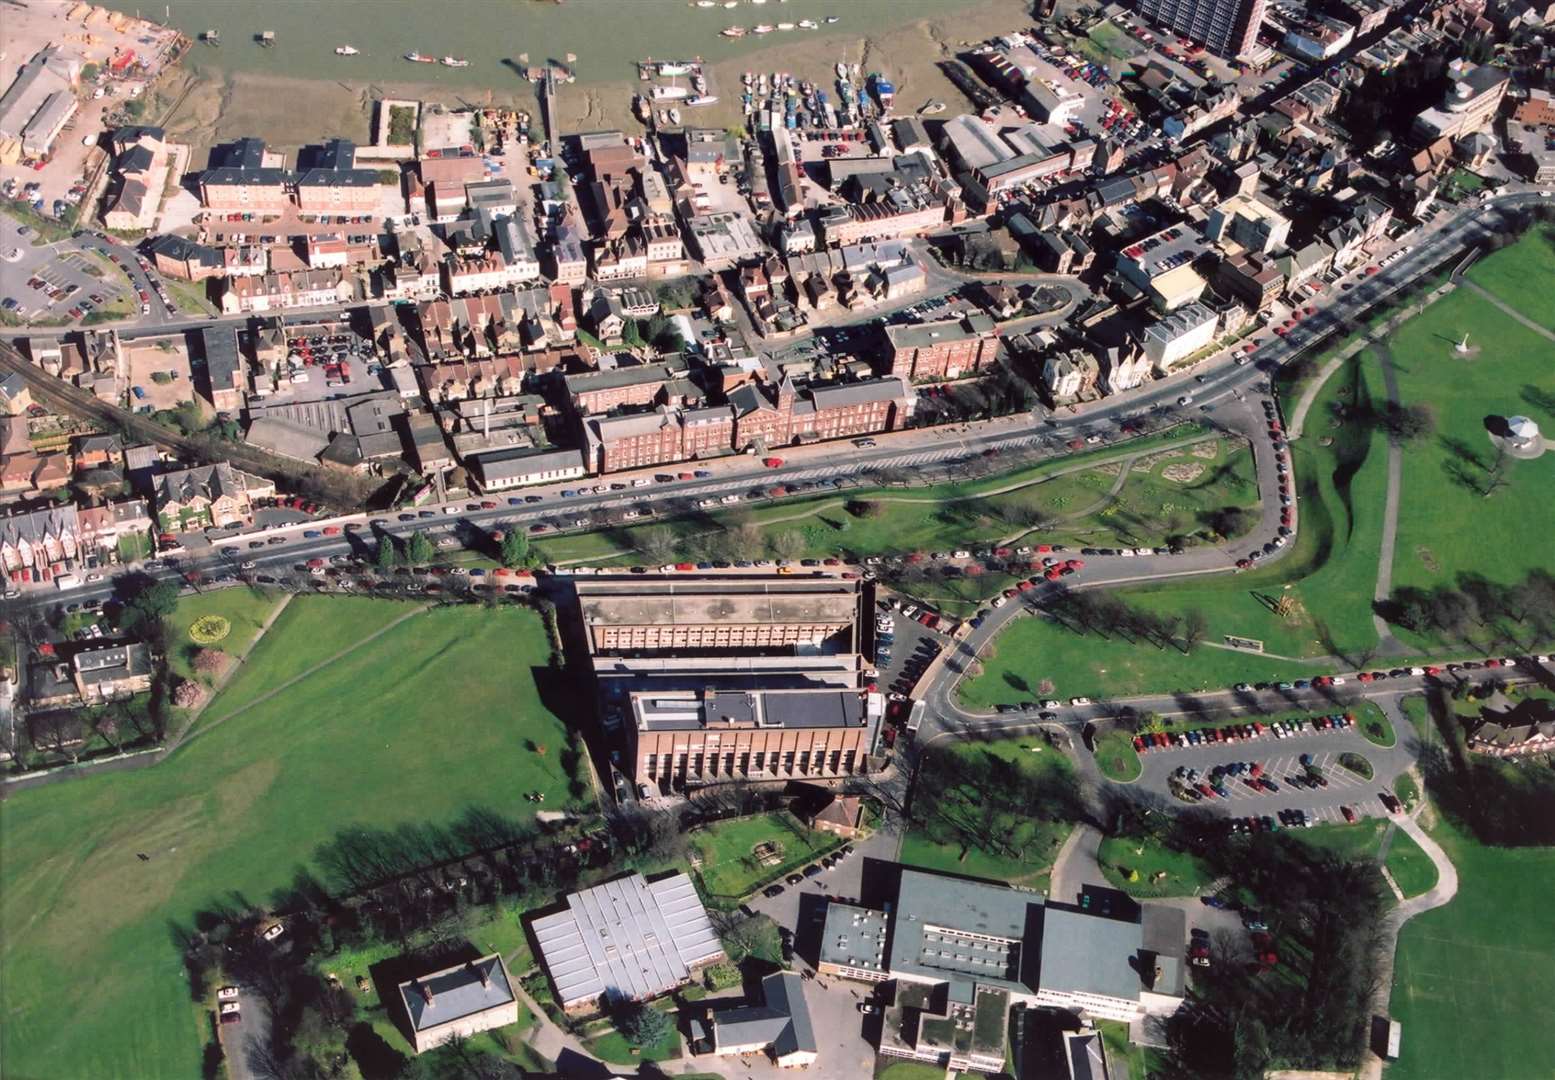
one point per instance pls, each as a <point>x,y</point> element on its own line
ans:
<point>209,629</point>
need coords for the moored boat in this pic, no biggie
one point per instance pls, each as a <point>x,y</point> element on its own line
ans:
<point>733,31</point>
<point>345,50</point>
<point>455,61</point>
<point>762,29</point>
<point>417,58</point>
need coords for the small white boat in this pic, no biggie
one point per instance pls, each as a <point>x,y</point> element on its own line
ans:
<point>758,2</point>
<point>785,26</point>
<point>832,19</point>
<point>703,99</point>
<point>455,61</point>
<point>731,3</point>
<point>674,116</point>
<point>762,29</point>
<point>345,50</point>
<point>842,70</point>
<point>809,24</point>
<point>733,31</point>
<point>707,3</point>
<point>674,68</point>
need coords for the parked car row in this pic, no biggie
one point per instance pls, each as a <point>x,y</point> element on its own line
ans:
<point>1256,729</point>
<point>815,869</point>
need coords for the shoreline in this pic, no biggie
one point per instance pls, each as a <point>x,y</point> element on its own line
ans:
<point>223,104</point>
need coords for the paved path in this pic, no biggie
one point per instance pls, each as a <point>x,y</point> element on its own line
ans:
<point>1509,310</point>
<point>1445,889</point>
<point>1077,863</point>
<point>1387,644</point>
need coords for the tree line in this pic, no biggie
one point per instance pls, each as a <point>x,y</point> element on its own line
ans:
<point>1477,611</point>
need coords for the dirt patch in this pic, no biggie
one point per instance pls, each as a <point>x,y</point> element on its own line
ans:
<point>1427,559</point>
<point>1183,472</point>
<point>1209,451</point>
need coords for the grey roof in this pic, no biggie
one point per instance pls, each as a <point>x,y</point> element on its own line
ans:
<point>286,438</point>
<point>222,362</point>
<point>782,1022</point>
<point>1086,1057</point>
<point>629,939</point>
<point>136,159</point>
<point>1090,954</point>
<point>36,525</point>
<point>186,250</point>
<point>113,662</point>
<point>506,464</point>
<point>812,707</point>
<point>626,375</point>
<point>854,936</point>
<point>457,992</point>
<point>932,909</point>
<point>672,603</point>
<point>204,482</point>
<point>858,393</point>
<point>922,335</point>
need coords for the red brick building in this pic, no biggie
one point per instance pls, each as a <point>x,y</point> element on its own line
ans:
<point>942,350</point>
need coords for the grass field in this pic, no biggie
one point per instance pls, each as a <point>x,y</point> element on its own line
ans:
<point>1521,276</point>
<point>245,609</point>
<point>729,871</point>
<point>1412,869</point>
<point>375,741</point>
<point>311,629</point>
<point>1474,981</point>
<point>978,825</point>
<point>1134,866</point>
<point>948,515</point>
<point>1330,573</point>
<point>1116,758</point>
<point>1033,649</point>
<point>1447,526</point>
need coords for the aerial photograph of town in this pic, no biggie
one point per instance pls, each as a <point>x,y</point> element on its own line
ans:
<point>731,539</point>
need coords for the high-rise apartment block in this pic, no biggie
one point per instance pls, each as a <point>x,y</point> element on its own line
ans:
<point>1227,27</point>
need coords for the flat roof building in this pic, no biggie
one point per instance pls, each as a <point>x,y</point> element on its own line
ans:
<point>626,940</point>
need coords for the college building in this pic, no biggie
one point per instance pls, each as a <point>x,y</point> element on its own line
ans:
<point>733,677</point>
<point>458,1002</point>
<point>962,951</point>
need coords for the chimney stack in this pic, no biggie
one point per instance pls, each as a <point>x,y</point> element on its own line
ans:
<point>426,993</point>
<point>485,974</point>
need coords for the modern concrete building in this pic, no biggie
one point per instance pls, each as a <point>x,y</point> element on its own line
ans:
<point>1249,222</point>
<point>1226,27</point>
<point>630,939</point>
<point>1474,93</point>
<point>962,951</point>
<point>459,1001</point>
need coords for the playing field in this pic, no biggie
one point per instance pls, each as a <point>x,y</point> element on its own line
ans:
<point>1521,275</point>
<point>1454,519</point>
<point>100,875</point>
<point>1474,982</point>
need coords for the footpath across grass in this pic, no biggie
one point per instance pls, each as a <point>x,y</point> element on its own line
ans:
<point>435,720</point>
<point>1474,981</point>
<point>1521,276</point>
<point>245,611</point>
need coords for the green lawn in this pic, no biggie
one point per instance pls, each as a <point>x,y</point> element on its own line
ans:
<point>935,517</point>
<point>1110,39</point>
<point>1474,981</point>
<point>730,871</point>
<point>1032,649</point>
<point>610,1045</point>
<point>1447,526</point>
<point>1412,869</point>
<point>1116,758</point>
<point>886,1069</point>
<point>1407,790</point>
<point>417,729</point>
<point>245,609</point>
<point>311,629</point>
<point>1329,577</point>
<point>1133,865</point>
<point>1521,276</point>
<point>999,810</point>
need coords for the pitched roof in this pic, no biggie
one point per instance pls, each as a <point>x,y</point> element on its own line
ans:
<point>456,992</point>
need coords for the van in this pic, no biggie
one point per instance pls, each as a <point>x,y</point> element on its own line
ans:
<point>66,581</point>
